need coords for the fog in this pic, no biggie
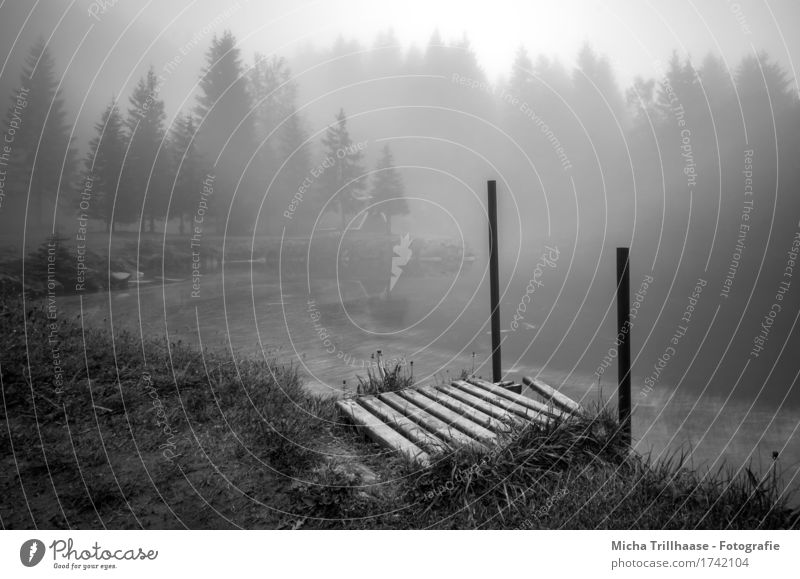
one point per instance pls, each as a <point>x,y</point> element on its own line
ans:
<point>244,158</point>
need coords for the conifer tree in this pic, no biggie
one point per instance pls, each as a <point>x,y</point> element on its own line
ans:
<point>42,160</point>
<point>388,190</point>
<point>225,128</point>
<point>104,162</point>
<point>341,181</point>
<point>146,167</point>
<point>187,170</point>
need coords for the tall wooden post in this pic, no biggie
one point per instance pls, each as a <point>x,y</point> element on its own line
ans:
<point>624,337</point>
<point>494,282</point>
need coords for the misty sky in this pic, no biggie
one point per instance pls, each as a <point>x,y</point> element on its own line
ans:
<point>105,54</point>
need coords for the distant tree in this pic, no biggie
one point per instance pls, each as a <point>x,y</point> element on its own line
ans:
<point>716,82</point>
<point>104,163</point>
<point>42,157</point>
<point>272,92</point>
<point>295,151</point>
<point>223,94</point>
<point>385,58</point>
<point>345,65</point>
<point>595,84</point>
<point>187,170</point>
<point>436,54</point>
<point>641,103</point>
<point>522,79</point>
<point>388,189</point>
<point>765,88</point>
<point>146,168</point>
<point>226,128</point>
<point>679,88</point>
<point>273,95</point>
<point>553,84</point>
<point>342,179</point>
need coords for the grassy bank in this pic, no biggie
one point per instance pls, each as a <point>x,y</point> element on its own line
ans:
<point>104,430</point>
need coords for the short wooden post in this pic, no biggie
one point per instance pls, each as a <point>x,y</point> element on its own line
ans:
<point>624,339</point>
<point>494,282</point>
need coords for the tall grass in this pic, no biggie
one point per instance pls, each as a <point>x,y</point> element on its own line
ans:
<point>594,481</point>
<point>145,433</point>
<point>392,379</point>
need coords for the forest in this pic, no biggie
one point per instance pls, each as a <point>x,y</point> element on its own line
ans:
<point>571,142</point>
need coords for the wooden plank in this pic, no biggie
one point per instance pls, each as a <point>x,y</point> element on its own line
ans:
<point>550,394</point>
<point>504,403</point>
<point>481,418</point>
<point>475,402</point>
<point>439,410</point>
<point>407,428</point>
<point>381,433</point>
<point>428,421</point>
<point>518,398</point>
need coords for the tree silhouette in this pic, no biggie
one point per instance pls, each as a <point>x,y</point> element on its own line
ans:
<point>147,163</point>
<point>521,82</point>
<point>187,169</point>
<point>341,180</point>
<point>226,133</point>
<point>272,92</point>
<point>41,157</point>
<point>104,164</point>
<point>388,192</point>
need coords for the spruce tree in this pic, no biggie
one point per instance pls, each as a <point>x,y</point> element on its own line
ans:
<point>104,164</point>
<point>146,166</point>
<point>272,93</point>
<point>225,128</point>
<point>41,160</point>
<point>341,181</point>
<point>522,79</point>
<point>187,170</point>
<point>388,192</point>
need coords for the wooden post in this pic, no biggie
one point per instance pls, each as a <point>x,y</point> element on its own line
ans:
<point>624,338</point>
<point>494,283</point>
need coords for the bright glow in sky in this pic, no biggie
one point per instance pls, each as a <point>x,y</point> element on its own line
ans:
<point>633,33</point>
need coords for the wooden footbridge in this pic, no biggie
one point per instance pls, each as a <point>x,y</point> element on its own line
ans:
<point>422,422</point>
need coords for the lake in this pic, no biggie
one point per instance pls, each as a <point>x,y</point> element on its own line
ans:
<point>331,329</point>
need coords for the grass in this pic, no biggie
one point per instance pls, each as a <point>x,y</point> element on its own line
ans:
<point>164,436</point>
<point>145,434</point>
<point>385,379</point>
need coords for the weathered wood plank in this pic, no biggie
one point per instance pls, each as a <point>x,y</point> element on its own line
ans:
<point>519,398</point>
<point>407,428</point>
<point>381,433</point>
<point>550,394</point>
<point>504,403</point>
<point>442,412</point>
<point>481,418</point>
<point>428,421</point>
<point>475,402</point>
<point>510,385</point>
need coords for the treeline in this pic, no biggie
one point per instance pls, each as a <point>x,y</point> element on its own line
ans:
<point>241,152</point>
<point>573,145</point>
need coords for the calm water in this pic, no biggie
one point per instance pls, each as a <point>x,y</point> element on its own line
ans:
<point>331,329</point>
